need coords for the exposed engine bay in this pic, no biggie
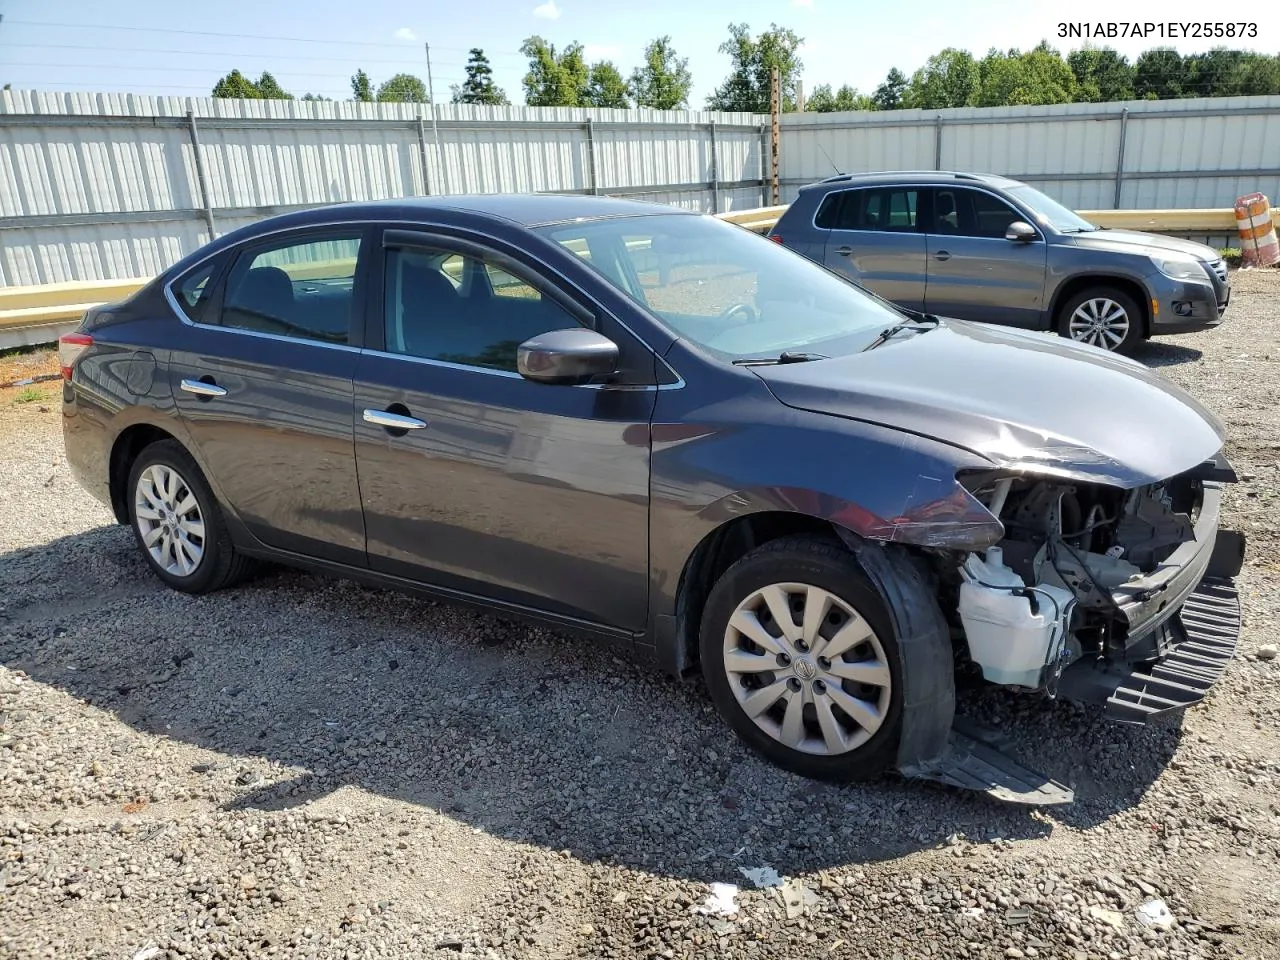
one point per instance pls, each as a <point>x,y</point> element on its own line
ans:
<point>1074,556</point>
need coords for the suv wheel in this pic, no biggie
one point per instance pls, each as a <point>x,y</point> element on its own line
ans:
<point>1102,317</point>
<point>801,660</point>
<point>178,524</point>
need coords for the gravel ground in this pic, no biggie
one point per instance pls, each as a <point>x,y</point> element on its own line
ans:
<point>307,768</point>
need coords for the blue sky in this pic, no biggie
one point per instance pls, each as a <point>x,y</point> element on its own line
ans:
<point>315,45</point>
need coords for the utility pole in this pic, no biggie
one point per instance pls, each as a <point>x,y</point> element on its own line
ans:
<point>435,129</point>
<point>775,108</point>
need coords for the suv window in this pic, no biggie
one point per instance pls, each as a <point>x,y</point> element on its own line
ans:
<point>891,209</point>
<point>444,306</point>
<point>971,213</point>
<point>299,290</point>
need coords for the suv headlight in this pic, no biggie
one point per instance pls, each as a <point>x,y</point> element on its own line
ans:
<point>1181,268</point>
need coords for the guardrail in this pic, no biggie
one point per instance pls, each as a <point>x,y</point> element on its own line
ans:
<point>37,315</point>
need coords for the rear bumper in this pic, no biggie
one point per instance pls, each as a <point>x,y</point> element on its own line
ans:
<point>1198,643</point>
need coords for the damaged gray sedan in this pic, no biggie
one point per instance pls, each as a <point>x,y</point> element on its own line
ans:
<point>658,430</point>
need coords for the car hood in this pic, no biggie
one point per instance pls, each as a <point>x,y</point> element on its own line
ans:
<point>1023,400</point>
<point>1133,241</point>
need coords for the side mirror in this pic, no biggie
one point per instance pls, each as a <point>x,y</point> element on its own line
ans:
<point>1020,232</point>
<point>567,356</point>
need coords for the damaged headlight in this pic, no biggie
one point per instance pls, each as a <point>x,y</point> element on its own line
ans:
<point>1177,267</point>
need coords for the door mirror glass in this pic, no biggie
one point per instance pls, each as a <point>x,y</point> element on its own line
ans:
<point>567,356</point>
<point>1020,232</point>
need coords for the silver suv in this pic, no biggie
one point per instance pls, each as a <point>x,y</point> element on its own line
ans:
<point>987,248</point>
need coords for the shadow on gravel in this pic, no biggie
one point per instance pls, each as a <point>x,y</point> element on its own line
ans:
<point>525,733</point>
<point>1161,353</point>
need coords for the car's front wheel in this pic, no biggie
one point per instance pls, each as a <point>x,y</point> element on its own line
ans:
<point>801,660</point>
<point>1102,317</point>
<point>178,524</point>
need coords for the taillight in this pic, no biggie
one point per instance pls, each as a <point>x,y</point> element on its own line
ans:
<point>70,346</point>
<point>776,238</point>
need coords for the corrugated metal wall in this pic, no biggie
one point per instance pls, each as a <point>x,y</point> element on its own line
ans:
<point>100,186</point>
<point>1199,153</point>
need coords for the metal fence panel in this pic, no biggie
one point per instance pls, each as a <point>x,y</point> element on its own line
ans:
<point>106,186</point>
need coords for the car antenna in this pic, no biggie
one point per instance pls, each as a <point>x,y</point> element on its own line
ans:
<point>839,172</point>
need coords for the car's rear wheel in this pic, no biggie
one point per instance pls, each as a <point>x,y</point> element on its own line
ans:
<point>1102,317</point>
<point>178,523</point>
<point>801,660</point>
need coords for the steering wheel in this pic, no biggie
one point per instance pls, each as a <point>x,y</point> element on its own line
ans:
<point>742,312</point>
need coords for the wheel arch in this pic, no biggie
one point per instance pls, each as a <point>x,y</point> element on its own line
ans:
<point>1077,284</point>
<point>124,452</point>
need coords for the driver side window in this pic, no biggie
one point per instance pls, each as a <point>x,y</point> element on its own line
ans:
<point>441,305</point>
<point>301,290</point>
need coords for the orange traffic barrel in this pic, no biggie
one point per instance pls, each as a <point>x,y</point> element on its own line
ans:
<point>1258,243</point>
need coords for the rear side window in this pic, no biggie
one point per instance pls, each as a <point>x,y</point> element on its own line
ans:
<point>302,290</point>
<point>884,209</point>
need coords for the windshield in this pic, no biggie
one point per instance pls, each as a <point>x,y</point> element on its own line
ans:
<point>1051,212</point>
<point>730,291</point>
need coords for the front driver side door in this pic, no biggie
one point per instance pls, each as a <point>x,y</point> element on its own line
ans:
<point>974,272</point>
<point>480,481</point>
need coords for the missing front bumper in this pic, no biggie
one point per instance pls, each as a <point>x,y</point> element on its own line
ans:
<point>1199,641</point>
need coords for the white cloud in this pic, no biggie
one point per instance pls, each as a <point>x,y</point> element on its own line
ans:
<point>601,51</point>
<point>547,11</point>
<point>404,33</point>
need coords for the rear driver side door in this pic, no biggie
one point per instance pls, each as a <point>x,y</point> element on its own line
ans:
<point>874,241</point>
<point>262,378</point>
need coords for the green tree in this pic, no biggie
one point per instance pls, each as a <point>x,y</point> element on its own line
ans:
<point>403,88</point>
<point>1217,73</point>
<point>606,88</point>
<point>1102,75</point>
<point>268,89</point>
<point>950,78</point>
<point>361,87</point>
<point>479,87</point>
<point>554,80</point>
<point>842,101</point>
<point>748,85</point>
<point>1261,75</point>
<point>664,81</point>
<point>316,98</point>
<point>1037,77</point>
<point>888,96</point>
<point>1159,74</point>
<point>236,86</point>
<point>7,86</point>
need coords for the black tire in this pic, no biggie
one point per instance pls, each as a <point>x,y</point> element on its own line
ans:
<point>1133,312</point>
<point>823,563</point>
<point>219,564</point>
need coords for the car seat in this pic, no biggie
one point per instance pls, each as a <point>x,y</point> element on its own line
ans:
<point>262,301</point>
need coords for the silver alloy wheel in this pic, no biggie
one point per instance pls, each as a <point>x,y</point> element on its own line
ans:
<point>1099,321</point>
<point>169,520</point>
<point>807,669</point>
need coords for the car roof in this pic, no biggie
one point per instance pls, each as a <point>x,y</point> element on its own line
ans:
<point>525,209</point>
<point>908,176</point>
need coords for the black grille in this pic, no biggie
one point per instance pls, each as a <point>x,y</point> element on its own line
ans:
<point>1219,267</point>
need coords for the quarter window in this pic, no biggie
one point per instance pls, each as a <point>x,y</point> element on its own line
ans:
<point>195,290</point>
<point>444,306</point>
<point>302,290</point>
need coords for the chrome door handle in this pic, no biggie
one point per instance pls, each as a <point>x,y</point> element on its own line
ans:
<point>393,421</point>
<point>202,389</point>
<point>942,255</point>
<point>845,251</point>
